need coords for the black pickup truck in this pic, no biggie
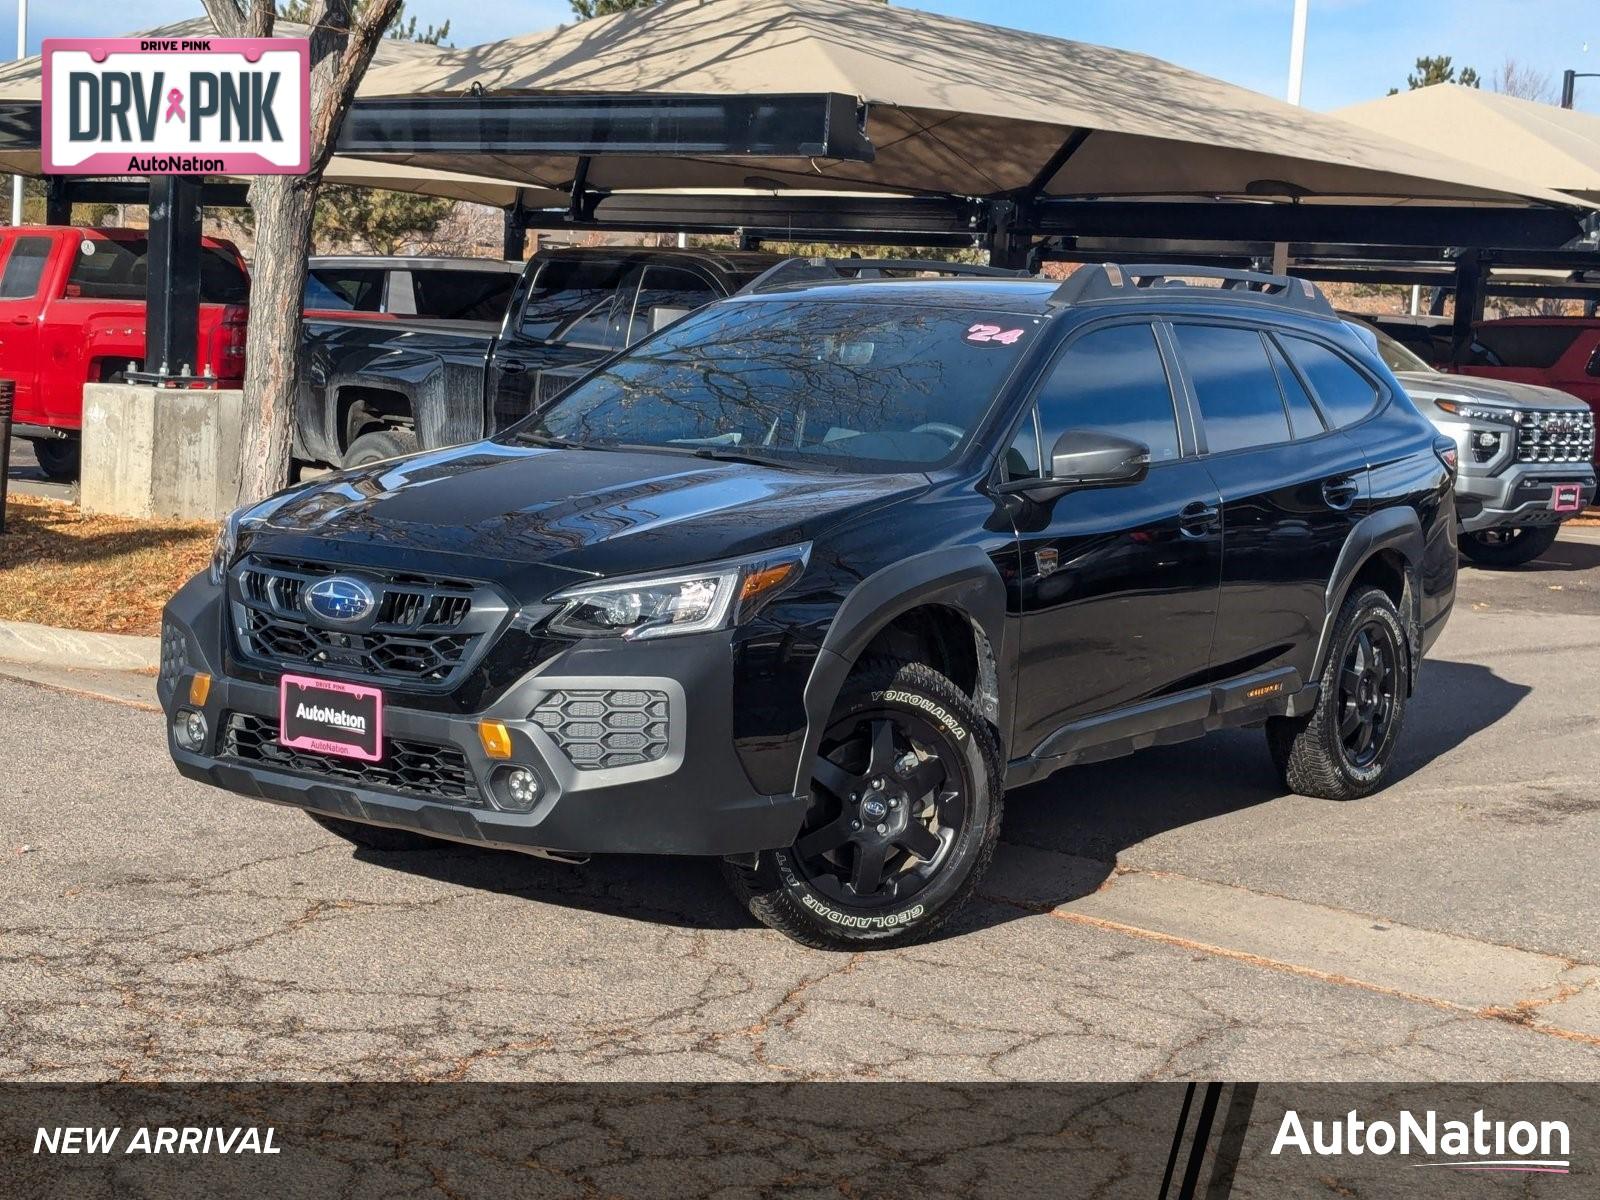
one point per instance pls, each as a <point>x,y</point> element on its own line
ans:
<point>376,385</point>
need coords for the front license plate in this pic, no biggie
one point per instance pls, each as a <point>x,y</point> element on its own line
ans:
<point>1566,497</point>
<point>330,718</point>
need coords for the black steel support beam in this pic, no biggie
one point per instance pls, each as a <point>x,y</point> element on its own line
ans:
<point>68,190</point>
<point>1423,226</point>
<point>795,125</point>
<point>1008,240</point>
<point>172,323</point>
<point>1469,303</point>
<point>57,201</point>
<point>514,233</point>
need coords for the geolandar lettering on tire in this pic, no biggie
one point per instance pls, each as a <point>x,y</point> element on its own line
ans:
<point>938,712</point>
<point>843,919</point>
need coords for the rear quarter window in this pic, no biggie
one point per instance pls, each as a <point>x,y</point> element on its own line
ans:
<point>24,268</point>
<point>119,269</point>
<point>1346,395</point>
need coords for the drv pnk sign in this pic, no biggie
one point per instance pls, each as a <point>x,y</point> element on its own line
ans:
<point>176,106</point>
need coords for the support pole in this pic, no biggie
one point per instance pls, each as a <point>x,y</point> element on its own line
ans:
<point>1008,245</point>
<point>1469,302</point>
<point>172,323</point>
<point>514,246</point>
<point>22,52</point>
<point>57,201</point>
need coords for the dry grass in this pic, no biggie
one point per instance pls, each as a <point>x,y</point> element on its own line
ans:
<point>110,574</point>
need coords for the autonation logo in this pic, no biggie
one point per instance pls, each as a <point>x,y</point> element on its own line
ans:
<point>1480,1144</point>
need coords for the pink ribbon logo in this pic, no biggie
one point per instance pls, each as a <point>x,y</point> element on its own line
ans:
<point>174,106</point>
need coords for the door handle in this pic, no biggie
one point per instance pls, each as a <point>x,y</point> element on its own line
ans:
<point>22,320</point>
<point>1197,519</point>
<point>511,368</point>
<point>1340,492</point>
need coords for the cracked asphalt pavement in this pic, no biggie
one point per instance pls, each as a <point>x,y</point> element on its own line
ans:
<point>1168,916</point>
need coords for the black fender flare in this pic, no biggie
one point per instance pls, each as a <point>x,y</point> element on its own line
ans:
<point>1399,529</point>
<point>962,578</point>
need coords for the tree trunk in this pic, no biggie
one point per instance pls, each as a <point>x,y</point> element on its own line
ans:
<point>344,34</point>
<point>283,206</point>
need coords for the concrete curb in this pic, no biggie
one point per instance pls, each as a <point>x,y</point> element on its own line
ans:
<point>24,642</point>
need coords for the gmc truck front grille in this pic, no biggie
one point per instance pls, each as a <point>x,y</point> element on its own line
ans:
<point>419,769</point>
<point>425,632</point>
<point>1555,437</point>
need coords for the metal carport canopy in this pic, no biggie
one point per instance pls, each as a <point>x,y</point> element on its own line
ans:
<point>952,108</point>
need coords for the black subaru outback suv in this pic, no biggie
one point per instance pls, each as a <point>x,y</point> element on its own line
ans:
<point>807,580</point>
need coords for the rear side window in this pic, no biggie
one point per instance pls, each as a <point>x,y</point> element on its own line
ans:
<point>671,288</point>
<point>345,289</point>
<point>1111,380</point>
<point>119,269</point>
<point>1304,419</point>
<point>457,295</point>
<point>566,291</point>
<point>1235,386</point>
<point>1346,394</point>
<point>24,268</point>
<point>1522,345</point>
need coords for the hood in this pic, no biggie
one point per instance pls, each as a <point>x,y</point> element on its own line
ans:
<point>532,517</point>
<point>1435,385</point>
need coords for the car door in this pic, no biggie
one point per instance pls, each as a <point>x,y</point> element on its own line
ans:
<point>1293,486</point>
<point>21,279</point>
<point>1118,584</point>
<point>576,312</point>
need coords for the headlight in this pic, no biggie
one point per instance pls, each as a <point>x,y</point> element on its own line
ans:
<point>227,546</point>
<point>1469,411</point>
<point>709,597</point>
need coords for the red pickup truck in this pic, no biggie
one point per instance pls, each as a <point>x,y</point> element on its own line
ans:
<point>72,311</point>
<point>1557,352</point>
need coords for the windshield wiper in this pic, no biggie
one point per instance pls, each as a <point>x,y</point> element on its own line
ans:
<point>555,443</point>
<point>723,454</point>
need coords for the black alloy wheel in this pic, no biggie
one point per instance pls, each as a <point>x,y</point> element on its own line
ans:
<point>1369,685</point>
<point>889,809</point>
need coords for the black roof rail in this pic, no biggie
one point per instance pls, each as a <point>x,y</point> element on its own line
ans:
<point>831,270</point>
<point>1110,281</point>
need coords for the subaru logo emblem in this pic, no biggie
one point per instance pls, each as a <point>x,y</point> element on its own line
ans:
<point>340,598</point>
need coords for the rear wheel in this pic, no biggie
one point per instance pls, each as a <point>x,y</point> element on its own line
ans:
<point>58,457</point>
<point>379,445</point>
<point>906,793</point>
<point>375,837</point>
<point>1509,547</point>
<point>1343,750</point>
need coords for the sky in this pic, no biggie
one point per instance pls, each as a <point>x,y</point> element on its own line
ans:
<point>1355,49</point>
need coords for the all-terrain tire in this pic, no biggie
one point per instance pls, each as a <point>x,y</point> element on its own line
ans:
<point>375,837</point>
<point>1527,543</point>
<point>1310,752</point>
<point>780,894</point>
<point>379,445</point>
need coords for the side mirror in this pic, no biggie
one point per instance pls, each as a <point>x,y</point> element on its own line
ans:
<point>663,315</point>
<point>1085,457</point>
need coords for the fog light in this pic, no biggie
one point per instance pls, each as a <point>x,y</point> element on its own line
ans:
<point>189,728</point>
<point>519,789</point>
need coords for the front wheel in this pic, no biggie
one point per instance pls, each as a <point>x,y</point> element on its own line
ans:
<point>905,816</point>
<point>58,458</point>
<point>1509,547</point>
<point>378,446</point>
<point>1344,749</point>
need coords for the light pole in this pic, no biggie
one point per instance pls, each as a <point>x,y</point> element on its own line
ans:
<point>1569,80</point>
<point>1297,63</point>
<point>22,52</point>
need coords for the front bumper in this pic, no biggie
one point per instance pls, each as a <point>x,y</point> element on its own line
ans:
<point>1519,495</point>
<point>695,799</point>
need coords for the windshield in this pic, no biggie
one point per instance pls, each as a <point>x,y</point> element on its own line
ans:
<point>853,386</point>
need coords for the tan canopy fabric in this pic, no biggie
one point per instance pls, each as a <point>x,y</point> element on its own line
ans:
<point>1549,147</point>
<point>956,107</point>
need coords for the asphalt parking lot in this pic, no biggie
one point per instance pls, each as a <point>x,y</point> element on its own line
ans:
<point>1167,916</point>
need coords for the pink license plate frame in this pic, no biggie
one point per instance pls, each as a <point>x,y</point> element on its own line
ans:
<point>1566,498</point>
<point>350,698</point>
